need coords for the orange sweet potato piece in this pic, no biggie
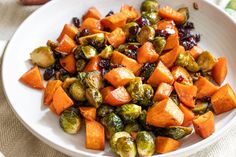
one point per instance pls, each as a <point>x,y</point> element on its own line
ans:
<point>196,51</point>
<point>171,14</point>
<point>188,115</point>
<point>160,74</point>
<point>91,24</point>
<point>95,135</point>
<point>147,53</point>
<point>51,87</point>
<point>66,45</point>
<point>223,100</point>
<point>131,64</point>
<point>204,125</point>
<point>163,91</point>
<point>172,41</point>
<point>180,72</point>
<point>69,30</point>
<point>166,144</point>
<point>116,37</point>
<point>115,97</point>
<point>133,134</point>
<point>69,63</point>
<point>204,87</point>
<point>219,71</point>
<point>167,25</point>
<point>119,76</point>
<point>186,93</point>
<point>165,113</point>
<point>61,101</point>
<point>92,65</point>
<point>92,13</point>
<point>130,12</point>
<point>89,113</point>
<point>32,78</point>
<point>114,21</point>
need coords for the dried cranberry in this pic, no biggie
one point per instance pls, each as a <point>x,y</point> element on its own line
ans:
<point>162,33</point>
<point>131,54</point>
<point>180,79</point>
<point>48,73</point>
<point>142,21</point>
<point>84,32</point>
<point>104,63</point>
<point>189,25</point>
<point>110,13</point>
<point>107,29</point>
<point>134,30</point>
<point>112,66</point>
<point>187,45</point>
<point>206,98</point>
<point>76,21</point>
<point>133,47</point>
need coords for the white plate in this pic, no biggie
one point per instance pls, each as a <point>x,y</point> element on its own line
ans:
<point>218,36</point>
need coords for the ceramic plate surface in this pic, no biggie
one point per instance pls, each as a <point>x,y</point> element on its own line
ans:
<point>218,36</point>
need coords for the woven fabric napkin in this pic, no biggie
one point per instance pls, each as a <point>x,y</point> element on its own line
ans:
<point>17,141</point>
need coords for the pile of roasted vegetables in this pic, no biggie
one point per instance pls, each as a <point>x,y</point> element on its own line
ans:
<point>139,80</point>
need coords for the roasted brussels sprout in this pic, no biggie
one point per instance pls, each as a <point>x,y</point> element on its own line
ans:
<point>43,57</point>
<point>106,52</point>
<point>200,107</point>
<point>184,11</point>
<point>206,61</point>
<point>94,80</point>
<point>148,94</point>
<point>129,112</point>
<point>142,121</point>
<point>151,16</point>
<point>159,44</point>
<point>70,121</point>
<point>175,132</point>
<point>96,40</point>
<point>77,91</point>
<point>126,147</point>
<point>80,64</point>
<point>187,61</point>
<point>147,33</point>
<point>115,137</point>
<point>89,51</point>
<point>127,27</point>
<point>136,90</point>
<point>69,81</point>
<point>94,97</point>
<point>145,143</point>
<point>103,110</point>
<point>149,6</point>
<point>113,124</point>
<point>81,76</point>
<point>132,127</point>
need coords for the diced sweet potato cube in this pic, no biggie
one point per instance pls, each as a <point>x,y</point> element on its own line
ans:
<point>163,91</point>
<point>196,51</point>
<point>166,144</point>
<point>88,113</point>
<point>91,24</point>
<point>219,71</point>
<point>51,87</point>
<point>69,30</point>
<point>181,75</point>
<point>114,21</point>
<point>147,53</point>
<point>130,12</point>
<point>66,45</point>
<point>188,115</point>
<point>92,65</point>
<point>69,63</point>
<point>116,37</point>
<point>92,13</point>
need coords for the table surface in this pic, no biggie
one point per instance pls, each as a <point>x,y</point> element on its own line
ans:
<point>16,140</point>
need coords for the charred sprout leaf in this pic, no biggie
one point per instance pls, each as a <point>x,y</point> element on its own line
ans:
<point>148,94</point>
<point>147,33</point>
<point>70,121</point>
<point>206,61</point>
<point>43,57</point>
<point>145,143</point>
<point>96,40</point>
<point>126,147</point>
<point>151,16</point>
<point>103,110</point>
<point>113,124</point>
<point>128,26</point>
<point>200,107</point>
<point>159,44</point>
<point>77,91</point>
<point>184,11</point>
<point>187,61</point>
<point>80,64</point>
<point>129,112</point>
<point>149,6</point>
<point>115,137</point>
<point>106,52</point>
<point>136,90</point>
<point>89,51</point>
<point>175,132</point>
<point>132,127</point>
<point>94,97</point>
<point>94,80</point>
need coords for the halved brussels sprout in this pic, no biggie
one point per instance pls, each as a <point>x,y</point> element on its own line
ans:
<point>200,107</point>
<point>96,40</point>
<point>147,33</point>
<point>159,44</point>
<point>187,61</point>
<point>68,82</point>
<point>151,16</point>
<point>103,110</point>
<point>94,80</point>
<point>149,6</point>
<point>132,127</point>
<point>129,112</point>
<point>81,76</point>
<point>70,121</point>
<point>113,124</point>
<point>126,147</point>
<point>106,52</point>
<point>127,27</point>
<point>115,137</point>
<point>80,64</point>
<point>184,11</point>
<point>89,51</point>
<point>77,91</point>
<point>206,61</point>
<point>94,97</point>
<point>142,121</point>
<point>175,132</point>
<point>136,90</point>
<point>147,96</point>
<point>43,57</point>
<point>145,143</point>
